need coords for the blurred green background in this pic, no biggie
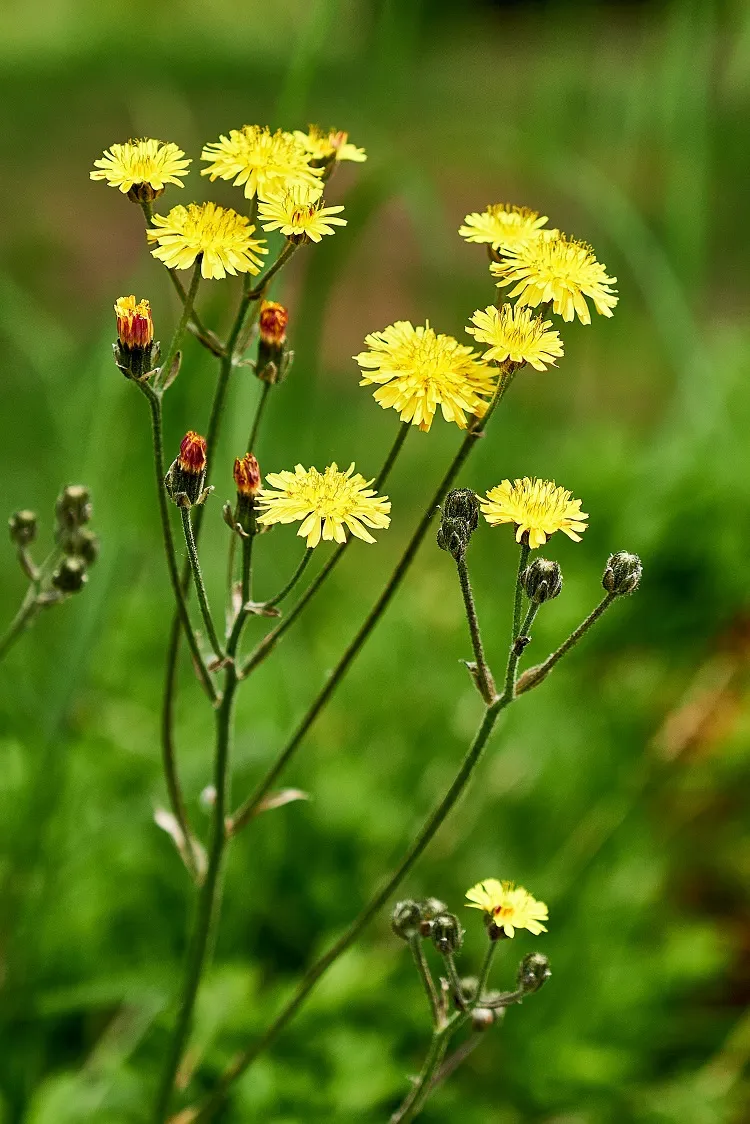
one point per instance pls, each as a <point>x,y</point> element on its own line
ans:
<point>617,792</point>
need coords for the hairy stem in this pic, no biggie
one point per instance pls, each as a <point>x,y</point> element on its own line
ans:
<point>417,951</point>
<point>537,674</point>
<point>179,332</point>
<point>200,587</point>
<point>484,680</point>
<point>28,609</point>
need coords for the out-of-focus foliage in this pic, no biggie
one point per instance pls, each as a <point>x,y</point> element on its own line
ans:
<point>616,792</point>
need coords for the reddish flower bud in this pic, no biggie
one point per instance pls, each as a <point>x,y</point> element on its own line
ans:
<point>192,456</point>
<point>135,328</point>
<point>273,321</point>
<point>247,475</point>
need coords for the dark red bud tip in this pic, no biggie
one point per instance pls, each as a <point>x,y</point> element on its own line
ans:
<point>273,321</point>
<point>192,456</point>
<point>247,475</point>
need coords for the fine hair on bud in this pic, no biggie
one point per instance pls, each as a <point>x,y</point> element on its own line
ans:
<point>23,526</point>
<point>460,518</point>
<point>542,580</point>
<point>405,919</point>
<point>447,933</point>
<point>622,573</point>
<point>533,972</point>
<point>70,576</point>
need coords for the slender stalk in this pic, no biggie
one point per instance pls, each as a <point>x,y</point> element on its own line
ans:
<point>292,581</point>
<point>537,674</point>
<point>260,410</point>
<point>417,951</point>
<point>271,639</point>
<point>28,609</point>
<point>484,972</point>
<point>451,1064</point>
<point>246,811</point>
<point>453,980</point>
<point>425,1083</point>
<point>522,560</point>
<point>381,896</point>
<point>282,259</point>
<point>154,402</point>
<point>169,751</point>
<point>187,309</point>
<point>516,652</point>
<point>200,587</point>
<point>484,680</point>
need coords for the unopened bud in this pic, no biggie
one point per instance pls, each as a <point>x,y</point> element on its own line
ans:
<point>533,972</point>
<point>144,193</point>
<point>542,580</point>
<point>70,576</point>
<point>447,934</point>
<point>187,474</point>
<point>460,513</point>
<point>83,544</point>
<point>73,506</point>
<point>482,1018</point>
<point>405,919</point>
<point>247,475</point>
<point>622,573</point>
<point>273,355</point>
<point>135,351</point>
<point>431,908</point>
<point>23,526</point>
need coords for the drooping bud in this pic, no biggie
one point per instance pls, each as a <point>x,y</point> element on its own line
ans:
<point>73,507</point>
<point>447,933</point>
<point>136,354</point>
<point>482,1018</point>
<point>23,526</point>
<point>405,919</point>
<point>622,573</point>
<point>247,475</point>
<point>542,580</point>
<point>533,972</point>
<point>460,519</point>
<point>273,357</point>
<point>187,474</point>
<point>70,576</point>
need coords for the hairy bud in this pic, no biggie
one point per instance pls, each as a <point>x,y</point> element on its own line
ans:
<point>187,474</point>
<point>73,507</point>
<point>23,526</point>
<point>460,518</point>
<point>533,972</point>
<point>70,576</point>
<point>135,352</point>
<point>622,573</point>
<point>542,580</point>
<point>274,357</point>
<point>405,919</point>
<point>447,933</point>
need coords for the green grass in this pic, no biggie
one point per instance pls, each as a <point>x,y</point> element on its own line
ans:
<point>628,132</point>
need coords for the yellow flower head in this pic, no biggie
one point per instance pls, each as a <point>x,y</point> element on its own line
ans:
<point>222,236</point>
<point>326,502</point>
<point>502,225</point>
<point>513,334</point>
<point>265,162</point>
<point>560,270</point>
<point>141,168</point>
<point>421,370</point>
<point>508,907</point>
<point>299,215</point>
<point>325,145</point>
<point>537,507</point>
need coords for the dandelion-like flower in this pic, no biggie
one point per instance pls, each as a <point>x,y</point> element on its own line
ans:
<point>421,370</point>
<point>560,270</point>
<point>326,502</point>
<point>141,168</point>
<point>502,225</point>
<point>325,145</point>
<point>508,907</point>
<point>516,334</point>
<point>299,215</point>
<point>223,237</point>
<point>537,507</point>
<point>264,162</point>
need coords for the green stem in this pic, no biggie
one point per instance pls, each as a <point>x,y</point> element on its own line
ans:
<point>509,690</point>
<point>522,560</point>
<point>292,581</point>
<point>417,951</point>
<point>381,896</point>
<point>27,611</point>
<point>537,674</point>
<point>154,402</point>
<point>484,680</point>
<point>271,639</point>
<point>200,587</point>
<point>179,332</point>
<point>453,979</point>
<point>484,973</point>
<point>281,260</point>
<point>258,416</point>
<point>419,1093</point>
<point>244,612</point>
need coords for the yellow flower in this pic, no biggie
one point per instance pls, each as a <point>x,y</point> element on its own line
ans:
<point>510,908</point>
<point>141,168</point>
<point>326,502</point>
<point>560,270</point>
<point>298,215</point>
<point>502,225</point>
<point>514,335</point>
<point>537,507</point>
<point>332,144</point>
<point>265,162</point>
<point>222,236</point>
<point>421,370</point>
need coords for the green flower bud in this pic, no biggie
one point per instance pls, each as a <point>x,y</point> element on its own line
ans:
<point>405,919</point>
<point>542,580</point>
<point>70,576</point>
<point>23,527</point>
<point>431,908</point>
<point>84,544</point>
<point>447,934</point>
<point>460,519</point>
<point>533,972</point>
<point>623,573</point>
<point>73,506</point>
